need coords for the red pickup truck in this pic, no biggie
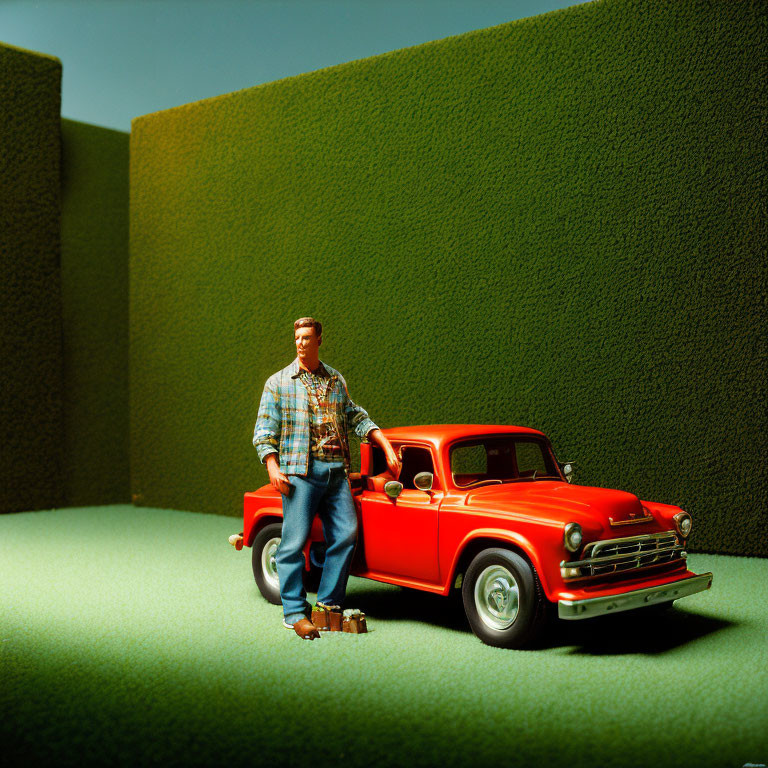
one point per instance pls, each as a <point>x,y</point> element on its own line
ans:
<point>490,511</point>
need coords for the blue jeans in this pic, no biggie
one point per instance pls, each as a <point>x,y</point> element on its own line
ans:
<point>324,491</point>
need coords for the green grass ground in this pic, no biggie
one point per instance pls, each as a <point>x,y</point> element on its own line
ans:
<point>136,636</point>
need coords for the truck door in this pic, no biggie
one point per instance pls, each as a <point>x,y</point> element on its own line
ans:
<point>400,537</point>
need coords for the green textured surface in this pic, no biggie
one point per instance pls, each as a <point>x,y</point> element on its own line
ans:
<point>94,269</point>
<point>558,222</point>
<point>136,636</point>
<point>30,284</point>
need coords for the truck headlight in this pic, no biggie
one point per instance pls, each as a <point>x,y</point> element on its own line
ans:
<point>683,523</point>
<point>572,537</point>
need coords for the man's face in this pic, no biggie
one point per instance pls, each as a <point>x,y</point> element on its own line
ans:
<point>306,343</point>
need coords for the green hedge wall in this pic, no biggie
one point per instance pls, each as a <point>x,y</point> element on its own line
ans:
<point>64,290</point>
<point>30,286</point>
<point>557,222</point>
<point>94,268</point>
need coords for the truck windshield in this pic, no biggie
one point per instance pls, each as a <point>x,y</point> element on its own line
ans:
<point>503,459</point>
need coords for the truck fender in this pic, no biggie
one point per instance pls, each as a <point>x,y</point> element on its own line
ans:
<point>499,537</point>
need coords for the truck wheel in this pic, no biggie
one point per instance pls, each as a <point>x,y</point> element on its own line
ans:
<point>503,600</point>
<point>263,557</point>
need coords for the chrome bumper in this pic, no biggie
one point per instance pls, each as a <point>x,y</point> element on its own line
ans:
<point>664,593</point>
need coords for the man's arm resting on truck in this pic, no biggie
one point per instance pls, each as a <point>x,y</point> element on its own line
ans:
<point>377,436</point>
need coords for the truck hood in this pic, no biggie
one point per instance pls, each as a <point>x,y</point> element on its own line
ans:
<point>556,500</point>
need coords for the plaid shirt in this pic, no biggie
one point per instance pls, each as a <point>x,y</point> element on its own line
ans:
<point>283,423</point>
<point>324,441</point>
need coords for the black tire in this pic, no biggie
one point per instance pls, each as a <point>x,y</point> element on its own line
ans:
<point>503,599</point>
<point>262,557</point>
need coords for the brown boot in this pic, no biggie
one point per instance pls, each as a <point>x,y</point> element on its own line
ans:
<point>305,629</point>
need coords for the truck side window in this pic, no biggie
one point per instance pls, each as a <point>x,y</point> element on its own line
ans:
<point>415,460</point>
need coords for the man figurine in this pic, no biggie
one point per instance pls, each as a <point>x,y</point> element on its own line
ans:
<point>301,435</point>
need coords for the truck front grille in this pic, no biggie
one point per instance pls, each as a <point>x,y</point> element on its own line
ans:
<point>602,558</point>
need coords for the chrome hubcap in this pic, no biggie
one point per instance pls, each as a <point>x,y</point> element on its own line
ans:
<point>497,597</point>
<point>268,563</point>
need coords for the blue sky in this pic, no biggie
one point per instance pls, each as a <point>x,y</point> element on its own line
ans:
<point>124,58</point>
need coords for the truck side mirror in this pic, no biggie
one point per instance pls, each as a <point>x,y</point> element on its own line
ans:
<point>393,489</point>
<point>568,471</point>
<point>423,481</point>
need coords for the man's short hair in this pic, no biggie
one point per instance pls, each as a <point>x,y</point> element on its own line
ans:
<point>309,322</point>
